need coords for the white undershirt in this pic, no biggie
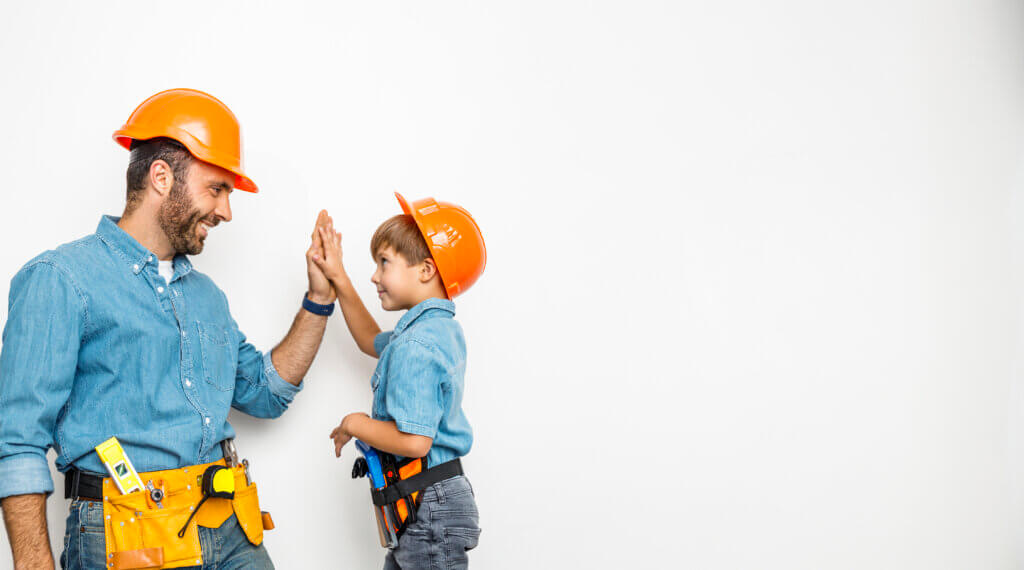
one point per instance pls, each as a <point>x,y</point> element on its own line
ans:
<point>167,270</point>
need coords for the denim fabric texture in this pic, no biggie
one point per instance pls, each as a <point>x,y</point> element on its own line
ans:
<point>447,527</point>
<point>420,379</point>
<point>224,548</point>
<point>98,344</point>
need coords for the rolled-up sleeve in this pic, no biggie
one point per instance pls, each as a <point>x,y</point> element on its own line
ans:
<point>259,389</point>
<point>41,339</point>
<point>415,382</point>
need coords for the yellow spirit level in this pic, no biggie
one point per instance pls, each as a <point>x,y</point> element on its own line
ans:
<point>119,466</point>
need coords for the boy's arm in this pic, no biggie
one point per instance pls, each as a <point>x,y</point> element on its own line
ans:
<point>362,326</point>
<point>384,436</point>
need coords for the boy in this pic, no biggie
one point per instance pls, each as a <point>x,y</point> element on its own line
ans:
<point>426,256</point>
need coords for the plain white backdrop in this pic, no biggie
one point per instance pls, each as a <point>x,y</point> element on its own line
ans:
<point>752,294</point>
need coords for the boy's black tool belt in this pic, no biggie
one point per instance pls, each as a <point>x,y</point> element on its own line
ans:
<point>406,487</point>
<point>397,502</point>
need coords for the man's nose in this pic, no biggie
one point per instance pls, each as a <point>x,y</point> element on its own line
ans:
<point>223,210</point>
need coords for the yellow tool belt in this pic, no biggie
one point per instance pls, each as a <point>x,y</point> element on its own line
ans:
<point>141,534</point>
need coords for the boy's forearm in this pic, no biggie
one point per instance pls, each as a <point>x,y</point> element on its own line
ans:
<point>358,319</point>
<point>385,436</point>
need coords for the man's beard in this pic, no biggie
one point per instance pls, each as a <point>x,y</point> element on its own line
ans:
<point>179,221</point>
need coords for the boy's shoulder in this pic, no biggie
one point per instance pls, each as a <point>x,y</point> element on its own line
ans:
<point>441,337</point>
<point>439,332</point>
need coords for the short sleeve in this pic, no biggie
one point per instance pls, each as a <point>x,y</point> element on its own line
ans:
<point>381,341</point>
<point>415,383</point>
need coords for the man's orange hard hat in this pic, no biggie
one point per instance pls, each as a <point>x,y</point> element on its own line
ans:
<point>207,128</point>
<point>454,239</point>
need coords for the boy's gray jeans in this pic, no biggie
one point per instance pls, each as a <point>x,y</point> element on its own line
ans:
<point>447,527</point>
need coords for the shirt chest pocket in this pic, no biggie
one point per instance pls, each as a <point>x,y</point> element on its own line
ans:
<point>218,355</point>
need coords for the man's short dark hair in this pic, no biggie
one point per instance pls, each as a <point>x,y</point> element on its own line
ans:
<point>144,152</point>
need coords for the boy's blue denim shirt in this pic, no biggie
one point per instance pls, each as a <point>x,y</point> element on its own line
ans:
<point>97,344</point>
<point>420,379</point>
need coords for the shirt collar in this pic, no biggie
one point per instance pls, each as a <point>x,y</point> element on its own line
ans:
<point>131,251</point>
<point>424,306</point>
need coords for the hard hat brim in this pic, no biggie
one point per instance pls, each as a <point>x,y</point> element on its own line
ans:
<point>125,136</point>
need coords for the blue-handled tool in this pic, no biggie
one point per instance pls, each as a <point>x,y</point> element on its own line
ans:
<point>387,519</point>
<point>374,469</point>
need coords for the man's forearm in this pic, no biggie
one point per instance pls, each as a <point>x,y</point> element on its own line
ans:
<point>295,354</point>
<point>25,519</point>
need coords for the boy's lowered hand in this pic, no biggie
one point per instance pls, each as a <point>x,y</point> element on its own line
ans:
<point>340,438</point>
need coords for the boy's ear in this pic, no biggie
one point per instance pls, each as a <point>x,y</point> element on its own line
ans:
<point>428,270</point>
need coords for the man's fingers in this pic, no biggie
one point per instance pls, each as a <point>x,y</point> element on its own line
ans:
<point>319,221</point>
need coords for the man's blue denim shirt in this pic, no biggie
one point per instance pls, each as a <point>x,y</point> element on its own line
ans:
<point>97,344</point>
<point>420,379</point>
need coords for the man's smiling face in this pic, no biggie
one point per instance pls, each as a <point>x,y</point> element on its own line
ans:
<point>195,205</point>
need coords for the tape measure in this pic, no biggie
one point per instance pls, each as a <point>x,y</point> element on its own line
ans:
<point>217,482</point>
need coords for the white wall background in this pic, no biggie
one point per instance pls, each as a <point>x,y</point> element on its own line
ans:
<point>751,302</point>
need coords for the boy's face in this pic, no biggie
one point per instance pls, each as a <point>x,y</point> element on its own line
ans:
<point>399,284</point>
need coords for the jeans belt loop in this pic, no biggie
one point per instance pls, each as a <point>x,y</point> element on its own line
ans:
<point>439,489</point>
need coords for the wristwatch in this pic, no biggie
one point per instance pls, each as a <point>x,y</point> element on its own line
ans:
<point>317,308</point>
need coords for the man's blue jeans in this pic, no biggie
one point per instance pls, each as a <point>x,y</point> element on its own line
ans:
<point>447,527</point>
<point>224,548</point>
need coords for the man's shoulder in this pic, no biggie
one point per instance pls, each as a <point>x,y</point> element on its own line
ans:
<point>67,258</point>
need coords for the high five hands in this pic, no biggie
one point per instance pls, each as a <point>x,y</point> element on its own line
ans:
<point>320,288</point>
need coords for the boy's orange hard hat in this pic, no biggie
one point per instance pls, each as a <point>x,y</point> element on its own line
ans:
<point>454,239</point>
<point>207,128</point>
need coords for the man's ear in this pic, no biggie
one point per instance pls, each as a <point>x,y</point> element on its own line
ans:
<point>428,270</point>
<point>161,177</point>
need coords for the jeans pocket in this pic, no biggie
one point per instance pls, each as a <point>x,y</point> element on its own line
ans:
<point>457,544</point>
<point>84,538</point>
<point>220,359</point>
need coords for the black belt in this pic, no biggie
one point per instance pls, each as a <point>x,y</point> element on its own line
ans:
<point>417,482</point>
<point>81,485</point>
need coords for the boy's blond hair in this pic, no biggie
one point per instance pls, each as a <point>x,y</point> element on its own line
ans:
<point>401,234</point>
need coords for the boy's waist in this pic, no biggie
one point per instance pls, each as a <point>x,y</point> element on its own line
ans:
<point>451,487</point>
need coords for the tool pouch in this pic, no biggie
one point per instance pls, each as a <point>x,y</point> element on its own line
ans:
<point>141,534</point>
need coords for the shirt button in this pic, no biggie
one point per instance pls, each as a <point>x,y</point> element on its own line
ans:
<point>188,383</point>
<point>159,289</point>
<point>136,267</point>
<point>183,334</point>
<point>207,420</point>
<point>150,258</point>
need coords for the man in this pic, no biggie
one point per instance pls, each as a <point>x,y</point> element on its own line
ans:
<point>116,334</point>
